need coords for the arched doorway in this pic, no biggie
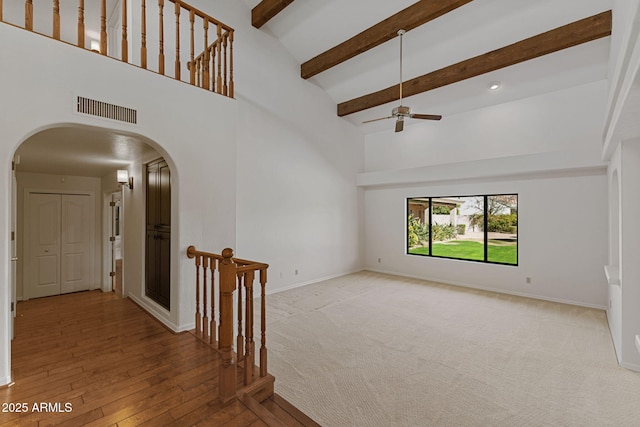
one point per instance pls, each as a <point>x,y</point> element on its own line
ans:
<point>72,162</point>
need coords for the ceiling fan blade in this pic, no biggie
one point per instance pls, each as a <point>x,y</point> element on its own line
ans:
<point>375,120</point>
<point>426,116</point>
<point>399,124</point>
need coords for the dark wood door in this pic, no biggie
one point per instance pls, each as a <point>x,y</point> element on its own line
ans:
<point>158,246</point>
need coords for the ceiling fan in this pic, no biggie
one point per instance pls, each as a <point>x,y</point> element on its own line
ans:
<point>402,111</point>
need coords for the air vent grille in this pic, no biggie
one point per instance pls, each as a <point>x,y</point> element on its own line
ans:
<point>109,111</point>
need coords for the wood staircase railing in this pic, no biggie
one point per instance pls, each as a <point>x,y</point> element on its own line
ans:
<point>208,60</point>
<point>216,328</point>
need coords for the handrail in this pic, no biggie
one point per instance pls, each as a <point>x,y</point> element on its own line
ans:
<point>201,14</point>
<point>233,273</point>
<point>191,27</point>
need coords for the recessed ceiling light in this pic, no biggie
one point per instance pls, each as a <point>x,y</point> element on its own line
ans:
<point>494,85</point>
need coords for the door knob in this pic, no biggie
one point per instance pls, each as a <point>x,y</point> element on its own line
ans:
<point>15,258</point>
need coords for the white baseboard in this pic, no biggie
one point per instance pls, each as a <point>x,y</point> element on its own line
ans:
<point>486,288</point>
<point>630,366</point>
<point>161,317</point>
<point>309,282</point>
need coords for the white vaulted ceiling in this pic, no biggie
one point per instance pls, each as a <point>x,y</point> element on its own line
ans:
<point>307,28</point>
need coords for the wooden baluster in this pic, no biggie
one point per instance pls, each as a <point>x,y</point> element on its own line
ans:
<point>103,27</point>
<point>219,41</point>
<point>56,19</point>
<point>125,43</point>
<point>81,24</point>
<point>213,66</point>
<point>198,316</point>
<point>213,327</point>
<point>198,71</point>
<point>205,319</point>
<point>227,377</point>
<point>205,74</point>
<point>249,355</point>
<point>231,85</point>
<point>263,323</point>
<point>177,10</point>
<point>224,80</point>
<point>143,35</point>
<point>28,15</point>
<point>161,26</point>
<point>240,337</point>
<point>192,68</point>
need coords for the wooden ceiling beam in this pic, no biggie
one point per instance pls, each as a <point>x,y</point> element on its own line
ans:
<point>267,9</point>
<point>407,19</point>
<point>569,35</point>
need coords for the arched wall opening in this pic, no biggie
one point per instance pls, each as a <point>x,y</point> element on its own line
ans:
<point>70,160</point>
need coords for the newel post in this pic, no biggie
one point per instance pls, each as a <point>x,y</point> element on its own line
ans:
<point>227,375</point>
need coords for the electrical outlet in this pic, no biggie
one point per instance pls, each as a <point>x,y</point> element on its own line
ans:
<point>527,280</point>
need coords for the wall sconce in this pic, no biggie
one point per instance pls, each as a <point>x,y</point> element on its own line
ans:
<point>123,178</point>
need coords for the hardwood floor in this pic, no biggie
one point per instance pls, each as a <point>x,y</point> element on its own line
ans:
<point>94,359</point>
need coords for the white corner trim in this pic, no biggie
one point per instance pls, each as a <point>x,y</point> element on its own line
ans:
<point>613,274</point>
<point>638,343</point>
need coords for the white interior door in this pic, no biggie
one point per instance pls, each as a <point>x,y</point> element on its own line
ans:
<point>61,233</point>
<point>76,240</point>
<point>43,262</point>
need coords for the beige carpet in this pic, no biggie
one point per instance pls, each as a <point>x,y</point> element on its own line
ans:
<point>376,350</point>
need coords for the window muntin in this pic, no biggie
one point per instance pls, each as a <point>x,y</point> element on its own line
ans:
<point>475,228</point>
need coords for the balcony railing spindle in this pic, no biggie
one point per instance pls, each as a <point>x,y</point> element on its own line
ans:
<point>231,88</point>
<point>56,19</point>
<point>125,43</point>
<point>210,69</point>
<point>177,67</point>
<point>219,83</point>
<point>161,26</point>
<point>143,34</point>
<point>28,15</point>
<point>205,71</point>
<point>81,23</point>
<point>103,27</point>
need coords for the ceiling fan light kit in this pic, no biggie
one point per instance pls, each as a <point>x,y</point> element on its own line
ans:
<point>402,111</point>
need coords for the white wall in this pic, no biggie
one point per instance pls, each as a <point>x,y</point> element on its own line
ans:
<point>622,149</point>
<point>298,204</point>
<point>546,149</point>
<point>563,258</point>
<point>58,183</point>
<point>293,185</point>
<point>624,295</point>
<point>194,130</point>
<point>568,120</point>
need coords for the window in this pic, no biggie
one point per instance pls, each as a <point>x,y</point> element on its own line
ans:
<point>475,228</point>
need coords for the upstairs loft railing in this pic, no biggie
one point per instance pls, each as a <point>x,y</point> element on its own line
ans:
<point>138,31</point>
<point>214,319</point>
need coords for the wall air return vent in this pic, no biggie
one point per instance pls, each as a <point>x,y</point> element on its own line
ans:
<point>109,111</point>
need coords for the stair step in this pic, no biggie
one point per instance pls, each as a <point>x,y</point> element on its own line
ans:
<point>287,413</point>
